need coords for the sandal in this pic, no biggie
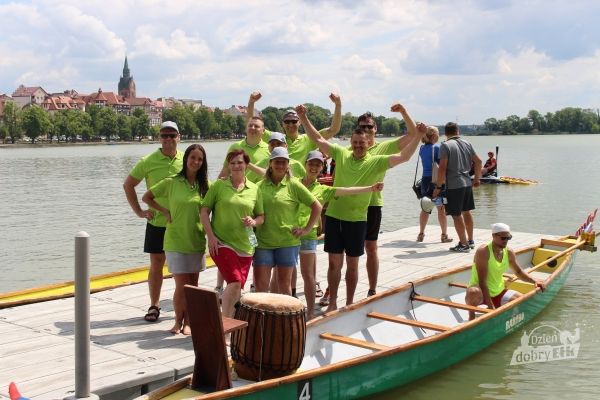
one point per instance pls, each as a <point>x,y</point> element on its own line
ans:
<point>325,299</point>
<point>318,290</point>
<point>445,238</point>
<point>152,314</point>
<point>420,237</point>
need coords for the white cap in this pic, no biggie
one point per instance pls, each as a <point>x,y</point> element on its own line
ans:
<point>277,136</point>
<point>315,155</point>
<point>169,125</point>
<point>279,152</point>
<point>500,227</point>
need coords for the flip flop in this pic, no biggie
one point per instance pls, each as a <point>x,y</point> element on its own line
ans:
<point>152,314</point>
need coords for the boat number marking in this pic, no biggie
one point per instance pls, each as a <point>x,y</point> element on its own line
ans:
<point>305,390</point>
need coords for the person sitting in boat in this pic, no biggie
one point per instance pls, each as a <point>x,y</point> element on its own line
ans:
<point>489,168</point>
<point>490,263</point>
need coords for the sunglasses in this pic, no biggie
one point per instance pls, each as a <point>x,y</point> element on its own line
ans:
<point>290,121</point>
<point>505,238</point>
<point>168,135</point>
<point>367,126</point>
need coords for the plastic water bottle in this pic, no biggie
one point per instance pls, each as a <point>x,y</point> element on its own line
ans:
<point>438,201</point>
<point>251,236</point>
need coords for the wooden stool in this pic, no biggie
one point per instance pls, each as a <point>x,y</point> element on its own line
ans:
<point>211,366</point>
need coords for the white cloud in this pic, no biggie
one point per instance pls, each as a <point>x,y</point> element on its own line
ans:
<point>367,68</point>
<point>178,45</point>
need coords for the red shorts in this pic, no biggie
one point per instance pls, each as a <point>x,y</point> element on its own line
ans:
<point>497,300</point>
<point>232,266</point>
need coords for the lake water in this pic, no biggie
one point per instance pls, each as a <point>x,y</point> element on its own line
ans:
<point>49,194</point>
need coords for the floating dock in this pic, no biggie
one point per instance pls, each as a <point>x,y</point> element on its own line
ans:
<point>130,356</point>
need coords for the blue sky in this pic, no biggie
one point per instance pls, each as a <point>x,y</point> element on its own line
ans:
<point>445,60</point>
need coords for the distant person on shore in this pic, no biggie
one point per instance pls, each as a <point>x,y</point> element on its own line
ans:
<point>184,243</point>
<point>156,166</point>
<point>456,157</point>
<point>491,261</point>
<point>308,243</point>
<point>237,208</point>
<point>429,154</point>
<point>346,217</point>
<point>489,168</point>
<point>299,144</point>
<point>367,123</point>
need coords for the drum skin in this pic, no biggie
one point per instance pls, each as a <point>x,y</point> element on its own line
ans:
<point>272,345</point>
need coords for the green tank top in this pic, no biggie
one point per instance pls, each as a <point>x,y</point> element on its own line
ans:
<point>495,280</point>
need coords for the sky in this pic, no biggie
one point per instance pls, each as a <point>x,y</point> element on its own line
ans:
<point>455,60</point>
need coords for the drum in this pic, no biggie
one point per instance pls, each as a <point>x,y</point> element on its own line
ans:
<point>272,345</point>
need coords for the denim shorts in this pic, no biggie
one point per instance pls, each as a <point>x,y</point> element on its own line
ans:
<point>280,257</point>
<point>308,246</point>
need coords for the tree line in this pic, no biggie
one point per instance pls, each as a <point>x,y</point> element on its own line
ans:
<point>104,123</point>
<point>570,119</point>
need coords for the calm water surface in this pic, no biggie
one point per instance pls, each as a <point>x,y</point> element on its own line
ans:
<point>49,194</point>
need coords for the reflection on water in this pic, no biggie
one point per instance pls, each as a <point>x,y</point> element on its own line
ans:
<point>49,194</point>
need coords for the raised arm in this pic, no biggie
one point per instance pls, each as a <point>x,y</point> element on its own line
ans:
<point>254,97</point>
<point>312,133</point>
<point>409,149</point>
<point>411,127</point>
<point>336,122</point>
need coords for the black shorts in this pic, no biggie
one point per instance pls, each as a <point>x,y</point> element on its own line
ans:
<point>373,222</point>
<point>155,235</point>
<point>459,200</point>
<point>345,236</point>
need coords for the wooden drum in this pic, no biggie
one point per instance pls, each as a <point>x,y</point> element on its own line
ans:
<point>272,345</point>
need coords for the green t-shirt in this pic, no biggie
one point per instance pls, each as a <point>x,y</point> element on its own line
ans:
<point>154,168</point>
<point>228,208</point>
<point>386,148</point>
<point>495,279</point>
<point>297,149</point>
<point>256,153</point>
<point>351,172</point>
<point>282,203</point>
<point>184,234</point>
<point>324,194</point>
<point>298,170</point>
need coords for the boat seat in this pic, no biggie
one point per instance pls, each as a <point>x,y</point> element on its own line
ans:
<point>445,303</point>
<point>540,255</point>
<point>353,342</point>
<point>411,322</point>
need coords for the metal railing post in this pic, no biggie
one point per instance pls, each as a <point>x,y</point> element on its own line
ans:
<point>82,315</point>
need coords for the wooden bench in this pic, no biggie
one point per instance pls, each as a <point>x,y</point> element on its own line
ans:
<point>353,342</point>
<point>211,365</point>
<point>445,303</point>
<point>411,322</point>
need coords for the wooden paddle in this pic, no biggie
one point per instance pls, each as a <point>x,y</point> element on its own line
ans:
<point>496,170</point>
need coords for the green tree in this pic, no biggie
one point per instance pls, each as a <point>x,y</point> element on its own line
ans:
<point>140,124</point>
<point>390,127</point>
<point>107,123</point>
<point>94,112</point>
<point>206,123</point>
<point>35,122</point>
<point>11,121</point>
<point>524,125</point>
<point>184,118</point>
<point>241,126</point>
<point>123,127</point>
<point>348,124</point>
<point>272,117</point>
<point>536,119</point>
<point>492,124</point>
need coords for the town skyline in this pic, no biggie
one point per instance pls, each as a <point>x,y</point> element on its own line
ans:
<point>446,61</point>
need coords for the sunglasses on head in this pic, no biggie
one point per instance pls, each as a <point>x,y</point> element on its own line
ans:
<point>367,126</point>
<point>168,135</point>
<point>290,121</point>
<point>505,238</point>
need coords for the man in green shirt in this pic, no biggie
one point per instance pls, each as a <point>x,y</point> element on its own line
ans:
<point>153,168</point>
<point>346,217</point>
<point>299,145</point>
<point>367,123</point>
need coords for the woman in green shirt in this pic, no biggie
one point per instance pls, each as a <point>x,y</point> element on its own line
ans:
<point>184,242</point>
<point>308,243</point>
<point>236,207</point>
<point>279,236</point>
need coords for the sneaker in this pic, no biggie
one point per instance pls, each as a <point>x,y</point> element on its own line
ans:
<point>318,291</point>
<point>325,299</point>
<point>461,248</point>
<point>371,292</point>
<point>471,244</point>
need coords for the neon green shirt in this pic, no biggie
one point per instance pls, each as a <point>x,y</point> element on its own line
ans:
<point>495,280</point>
<point>297,149</point>
<point>324,194</point>
<point>228,208</point>
<point>256,153</point>
<point>297,169</point>
<point>282,204</point>
<point>154,168</point>
<point>386,148</point>
<point>184,234</point>
<point>351,172</point>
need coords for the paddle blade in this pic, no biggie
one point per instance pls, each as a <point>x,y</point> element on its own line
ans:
<point>13,392</point>
<point>496,170</point>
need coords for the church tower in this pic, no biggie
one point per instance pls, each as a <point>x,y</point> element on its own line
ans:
<point>126,83</point>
